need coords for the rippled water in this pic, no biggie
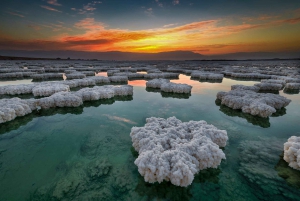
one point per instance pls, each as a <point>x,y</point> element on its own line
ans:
<point>85,153</point>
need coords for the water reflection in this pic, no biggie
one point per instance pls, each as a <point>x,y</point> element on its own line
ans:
<point>290,175</point>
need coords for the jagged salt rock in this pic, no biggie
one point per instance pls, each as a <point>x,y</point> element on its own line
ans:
<point>175,151</point>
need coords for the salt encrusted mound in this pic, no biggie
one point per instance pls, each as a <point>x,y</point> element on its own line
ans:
<point>100,79</point>
<point>282,82</point>
<point>176,88</point>
<point>17,89</point>
<point>206,76</point>
<point>292,86</point>
<point>75,99</point>
<point>75,75</point>
<point>60,99</point>
<point>156,83</point>
<point>175,151</point>
<point>243,87</point>
<point>268,86</point>
<point>49,89</point>
<point>112,72</point>
<point>161,75</point>
<point>292,152</point>
<point>250,75</point>
<point>46,76</point>
<point>118,79</point>
<point>15,107</point>
<point>261,104</point>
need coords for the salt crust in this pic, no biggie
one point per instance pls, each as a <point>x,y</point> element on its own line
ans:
<point>261,104</point>
<point>292,152</point>
<point>14,107</point>
<point>175,151</point>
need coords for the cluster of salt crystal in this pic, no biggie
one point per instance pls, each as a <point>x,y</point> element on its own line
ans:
<point>268,86</point>
<point>15,107</point>
<point>75,99</point>
<point>176,88</point>
<point>292,86</point>
<point>16,89</point>
<point>49,88</point>
<point>156,83</point>
<point>161,75</point>
<point>118,79</point>
<point>112,72</point>
<point>46,76</point>
<point>261,104</point>
<point>175,151</point>
<point>250,75</point>
<point>130,75</point>
<point>75,75</point>
<point>206,76</point>
<point>292,152</point>
<point>282,82</point>
<point>243,87</point>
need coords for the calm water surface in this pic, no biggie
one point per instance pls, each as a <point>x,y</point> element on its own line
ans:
<point>85,153</point>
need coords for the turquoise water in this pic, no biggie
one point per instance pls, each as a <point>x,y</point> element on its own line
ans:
<point>85,153</point>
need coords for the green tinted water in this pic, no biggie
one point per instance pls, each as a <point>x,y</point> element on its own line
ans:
<point>85,153</point>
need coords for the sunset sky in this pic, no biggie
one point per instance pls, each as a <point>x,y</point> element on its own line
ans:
<point>150,26</point>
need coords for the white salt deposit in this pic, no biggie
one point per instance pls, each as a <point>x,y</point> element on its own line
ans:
<point>292,86</point>
<point>175,151</point>
<point>268,86</point>
<point>292,152</point>
<point>156,83</point>
<point>176,88</point>
<point>49,88</point>
<point>261,104</point>
<point>243,87</point>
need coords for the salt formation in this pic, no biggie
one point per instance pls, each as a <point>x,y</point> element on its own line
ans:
<point>15,107</point>
<point>161,75</point>
<point>268,86</point>
<point>75,99</point>
<point>46,76</point>
<point>156,83</point>
<point>176,88</point>
<point>75,75</point>
<point>250,75</point>
<point>118,79</point>
<point>206,76</point>
<point>292,86</point>
<point>261,104</point>
<point>175,151</point>
<point>282,82</point>
<point>49,89</point>
<point>292,152</point>
<point>16,89</point>
<point>243,87</point>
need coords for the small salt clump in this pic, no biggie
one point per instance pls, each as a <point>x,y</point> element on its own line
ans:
<point>243,87</point>
<point>60,99</point>
<point>175,151</point>
<point>176,88</point>
<point>292,152</point>
<point>118,79</point>
<point>268,86</point>
<point>292,86</point>
<point>156,83</point>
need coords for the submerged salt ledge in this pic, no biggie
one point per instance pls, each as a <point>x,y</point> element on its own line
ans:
<point>292,152</point>
<point>261,104</point>
<point>175,151</point>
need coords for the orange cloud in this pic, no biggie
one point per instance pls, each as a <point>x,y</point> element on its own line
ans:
<point>16,14</point>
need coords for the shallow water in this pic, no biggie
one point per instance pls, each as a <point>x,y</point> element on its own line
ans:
<point>85,153</point>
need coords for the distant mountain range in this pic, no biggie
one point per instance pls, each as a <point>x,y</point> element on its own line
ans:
<point>174,55</point>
